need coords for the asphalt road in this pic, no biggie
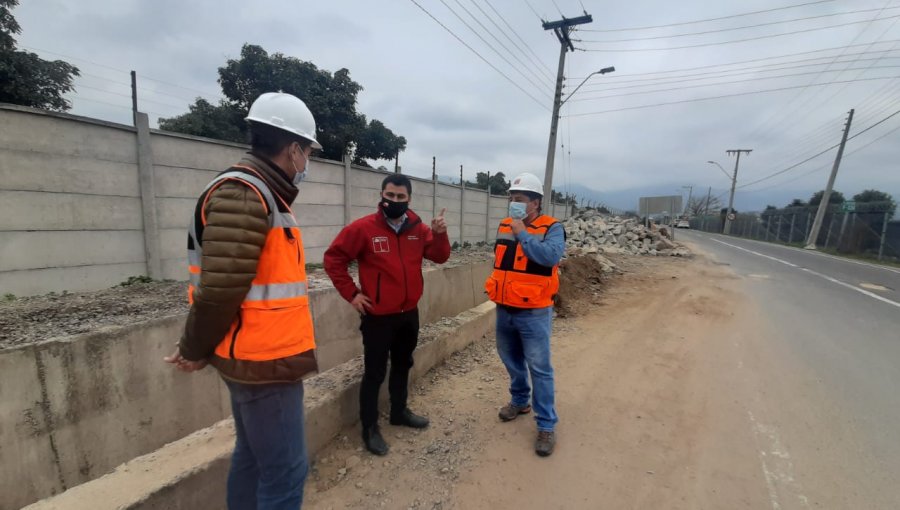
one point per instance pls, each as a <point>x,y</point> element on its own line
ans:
<point>824,361</point>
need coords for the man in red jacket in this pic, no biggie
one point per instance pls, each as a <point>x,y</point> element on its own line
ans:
<point>389,246</point>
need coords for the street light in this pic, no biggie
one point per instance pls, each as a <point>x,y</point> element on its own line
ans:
<point>588,77</point>
<point>554,122</point>
<point>720,168</point>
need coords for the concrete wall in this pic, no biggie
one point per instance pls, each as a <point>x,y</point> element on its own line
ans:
<point>73,409</point>
<point>85,204</point>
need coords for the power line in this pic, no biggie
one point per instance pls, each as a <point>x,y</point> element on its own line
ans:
<point>709,75</point>
<point>736,41</point>
<point>733,82</point>
<point>515,32</point>
<point>479,55</point>
<point>820,153</point>
<point>616,77</point>
<point>513,55</point>
<point>745,27</point>
<point>640,107</point>
<point>710,19</point>
<point>785,111</point>
<point>534,11</point>
<point>726,74</point>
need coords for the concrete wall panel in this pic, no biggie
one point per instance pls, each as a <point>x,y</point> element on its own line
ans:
<point>30,210</point>
<point>25,170</point>
<point>41,250</point>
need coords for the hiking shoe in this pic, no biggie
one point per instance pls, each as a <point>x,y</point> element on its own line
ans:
<point>510,412</point>
<point>374,441</point>
<point>409,419</point>
<point>544,443</point>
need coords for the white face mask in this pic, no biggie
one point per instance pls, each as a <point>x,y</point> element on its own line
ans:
<point>298,175</point>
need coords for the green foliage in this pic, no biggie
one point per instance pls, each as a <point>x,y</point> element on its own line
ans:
<point>799,202</point>
<point>836,197</point>
<point>497,182</point>
<point>136,280</point>
<point>9,297</point>
<point>331,98</point>
<point>222,121</point>
<point>25,78</point>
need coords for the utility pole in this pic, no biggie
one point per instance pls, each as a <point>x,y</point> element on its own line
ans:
<point>134,107</point>
<point>823,205</point>
<point>562,29</point>
<point>706,209</point>
<point>684,208</point>
<point>733,184</point>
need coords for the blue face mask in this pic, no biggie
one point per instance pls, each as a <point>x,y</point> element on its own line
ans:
<point>298,175</point>
<point>518,210</point>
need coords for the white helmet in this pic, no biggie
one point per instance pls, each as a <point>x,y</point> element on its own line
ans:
<point>527,182</point>
<point>286,112</point>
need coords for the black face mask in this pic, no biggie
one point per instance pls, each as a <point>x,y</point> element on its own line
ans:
<point>393,210</point>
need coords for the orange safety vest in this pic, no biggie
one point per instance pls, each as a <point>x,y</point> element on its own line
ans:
<point>274,321</point>
<point>517,281</point>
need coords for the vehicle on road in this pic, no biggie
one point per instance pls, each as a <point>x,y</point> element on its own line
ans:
<point>683,224</point>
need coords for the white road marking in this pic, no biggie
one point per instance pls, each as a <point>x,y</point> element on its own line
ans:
<point>776,464</point>
<point>820,275</point>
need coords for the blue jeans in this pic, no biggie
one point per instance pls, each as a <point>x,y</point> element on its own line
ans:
<point>269,464</point>
<point>523,342</point>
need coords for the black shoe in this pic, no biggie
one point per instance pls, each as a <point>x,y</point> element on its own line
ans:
<point>374,442</point>
<point>408,419</point>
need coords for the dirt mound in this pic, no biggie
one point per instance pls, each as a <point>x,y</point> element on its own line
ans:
<point>580,284</point>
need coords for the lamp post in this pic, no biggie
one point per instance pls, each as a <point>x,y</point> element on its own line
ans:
<point>558,101</point>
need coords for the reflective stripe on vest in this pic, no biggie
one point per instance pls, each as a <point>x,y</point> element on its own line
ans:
<point>517,281</point>
<point>274,320</point>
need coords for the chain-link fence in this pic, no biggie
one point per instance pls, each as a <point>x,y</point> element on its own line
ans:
<point>868,231</point>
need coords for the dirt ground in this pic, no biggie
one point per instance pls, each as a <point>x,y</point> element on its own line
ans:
<point>640,425</point>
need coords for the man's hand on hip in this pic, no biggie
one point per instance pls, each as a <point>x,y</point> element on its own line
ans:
<point>361,302</point>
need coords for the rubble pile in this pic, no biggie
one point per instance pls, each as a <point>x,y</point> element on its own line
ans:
<point>592,233</point>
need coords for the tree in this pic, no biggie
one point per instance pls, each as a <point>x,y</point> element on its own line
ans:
<point>330,97</point>
<point>698,206</point>
<point>25,78</point>
<point>872,200</point>
<point>836,197</point>
<point>498,183</point>
<point>799,202</point>
<point>205,119</point>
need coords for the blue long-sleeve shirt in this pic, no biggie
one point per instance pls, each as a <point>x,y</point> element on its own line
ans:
<point>547,251</point>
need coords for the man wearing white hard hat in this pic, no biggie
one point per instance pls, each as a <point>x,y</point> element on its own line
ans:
<point>249,314</point>
<point>524,283</point>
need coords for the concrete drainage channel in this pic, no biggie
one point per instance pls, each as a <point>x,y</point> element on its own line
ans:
<point>190,473</point>
<point>72,409</point>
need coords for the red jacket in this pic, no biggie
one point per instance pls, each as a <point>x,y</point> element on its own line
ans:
<point>390,263</point>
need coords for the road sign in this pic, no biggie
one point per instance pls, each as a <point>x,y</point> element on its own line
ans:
<point>731,216</point>
<point>848,206</point>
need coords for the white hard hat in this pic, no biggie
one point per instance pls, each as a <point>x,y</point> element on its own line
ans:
<point>286,112</point>
<point>527,182</point>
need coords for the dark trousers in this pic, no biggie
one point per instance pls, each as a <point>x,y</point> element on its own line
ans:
<point>394,335</point>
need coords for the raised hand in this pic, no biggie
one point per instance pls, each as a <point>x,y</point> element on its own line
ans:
<point>439,224</point>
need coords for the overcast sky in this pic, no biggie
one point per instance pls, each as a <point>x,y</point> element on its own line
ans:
<point>426,85</point>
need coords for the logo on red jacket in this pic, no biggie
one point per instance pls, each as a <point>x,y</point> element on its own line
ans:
<point>380,245</point>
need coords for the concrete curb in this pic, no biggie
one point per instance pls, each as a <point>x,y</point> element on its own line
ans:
<point>190,473</point>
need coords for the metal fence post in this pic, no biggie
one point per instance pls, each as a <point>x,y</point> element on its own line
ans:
<point>462,210</point>
<point>791,234</point>
<point>487,217</point>
<point>837,245</point>
<point>778,230</point>
<point>883,235</point>
<point>768,226</point>
<point>828,235</point>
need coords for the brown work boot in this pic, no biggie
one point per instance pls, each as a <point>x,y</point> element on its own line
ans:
<point>510,412</point>
<point>544,443</point>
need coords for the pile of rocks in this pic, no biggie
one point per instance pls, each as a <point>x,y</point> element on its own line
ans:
<point>590,232</point>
